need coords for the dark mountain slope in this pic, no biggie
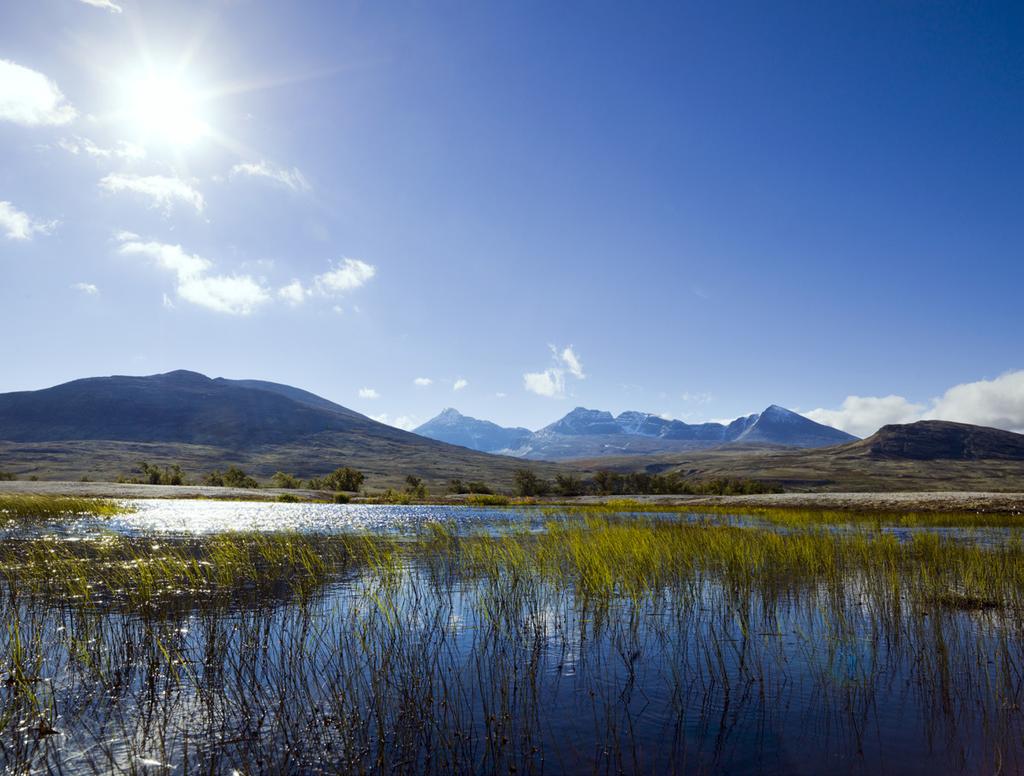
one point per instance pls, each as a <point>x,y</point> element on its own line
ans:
<point>930,440</point>
<point>101,427</point>
<point>181,406</point>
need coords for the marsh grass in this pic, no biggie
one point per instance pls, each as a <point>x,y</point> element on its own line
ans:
<point>800,517</point>
<point>598,644</point>
<point>37,507</point>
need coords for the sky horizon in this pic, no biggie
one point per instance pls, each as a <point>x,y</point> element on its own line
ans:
<point>695,210</point>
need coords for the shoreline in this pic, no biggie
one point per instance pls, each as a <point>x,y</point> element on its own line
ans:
<point>893,501</point>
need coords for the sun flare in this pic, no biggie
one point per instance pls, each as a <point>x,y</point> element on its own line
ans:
<point>166,108</point>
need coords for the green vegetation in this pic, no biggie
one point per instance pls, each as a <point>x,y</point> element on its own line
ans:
<point>149,474</point>
<point>458,486</point>
<point>487,500</point>
<point>232,478</point>
<point>7,476</point>
<point>26,507</point>
<point>345,478</point>
<point>415,487</point>
<point>568,644</point>
<point>610,483</point>
<point>286,481</point>
<point>529,484</point>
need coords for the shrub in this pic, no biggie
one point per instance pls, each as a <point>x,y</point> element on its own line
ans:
<point>344,478</point>
<point>568,485</point>
<point>7,476</point>
<point>414,486</point>
<point>612,483</point>
<point>232,478</point>
<point>286,481</point>
<point>527,483</point>
<point>154,475</point>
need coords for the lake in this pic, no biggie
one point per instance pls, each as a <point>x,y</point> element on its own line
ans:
<point>306,638</point>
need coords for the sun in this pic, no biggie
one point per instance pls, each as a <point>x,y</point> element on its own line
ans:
<point>166,108</point>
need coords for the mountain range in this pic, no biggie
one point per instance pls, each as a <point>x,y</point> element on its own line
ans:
<point>587,433</point>
<point>103,426</point>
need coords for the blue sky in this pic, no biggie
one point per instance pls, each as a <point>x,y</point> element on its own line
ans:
<point>694,209</point>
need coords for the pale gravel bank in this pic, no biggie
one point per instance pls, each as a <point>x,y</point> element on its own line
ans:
<point>942,501</point>
<point>928,501</point>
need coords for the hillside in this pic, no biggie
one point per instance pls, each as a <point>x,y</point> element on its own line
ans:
<point>930,440</point>
<point>928,455</point>
<point>588,433</point>
<point>101,427</point>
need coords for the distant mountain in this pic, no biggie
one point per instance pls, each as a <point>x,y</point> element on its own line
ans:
<point>931,440</point>
<point>102,426</point>
<point>457,429</point>
<point>929,455</point>
<point>587,433</point>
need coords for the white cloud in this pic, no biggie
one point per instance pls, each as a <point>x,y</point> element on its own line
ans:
<point>292,179</point>
<point>459,384</point>
<point>350,274</point>
<point>163,190</point>
<point>231,294</point>
<point>423,382</point>
<point>107,4</point>
<point>368,393</point>
<point>30,98</point>
<point>19,225</point>
<point>500,395</point>
<point>86,288</point>
<point>125,236</point>
<point>551,382</point>
<point>294,293</point>
<point>404,422</point>
<point>168,302</point>
<point>998,403</point>
<point>864,415</point>
<point>572,362</point>
<point>83,145</point>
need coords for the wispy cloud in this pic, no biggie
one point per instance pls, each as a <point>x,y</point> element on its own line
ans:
<point>349,274</point>
<point>696,398</point>
<point>105,4</point>
<point>230,294</point>
<point>162,189</point>
<point>83,145</point>
<point>30,98</point>
<point>572,363</point>
<point>292,179</point>
<point>88,289</point>
<point>551,382</point>
<point>422,382</point>
<point>459,384</point>
<point>998,403</point>
<point>368,393</point>
<point>19,225</point>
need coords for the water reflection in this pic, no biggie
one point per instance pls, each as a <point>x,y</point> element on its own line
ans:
<point>422,664</point>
